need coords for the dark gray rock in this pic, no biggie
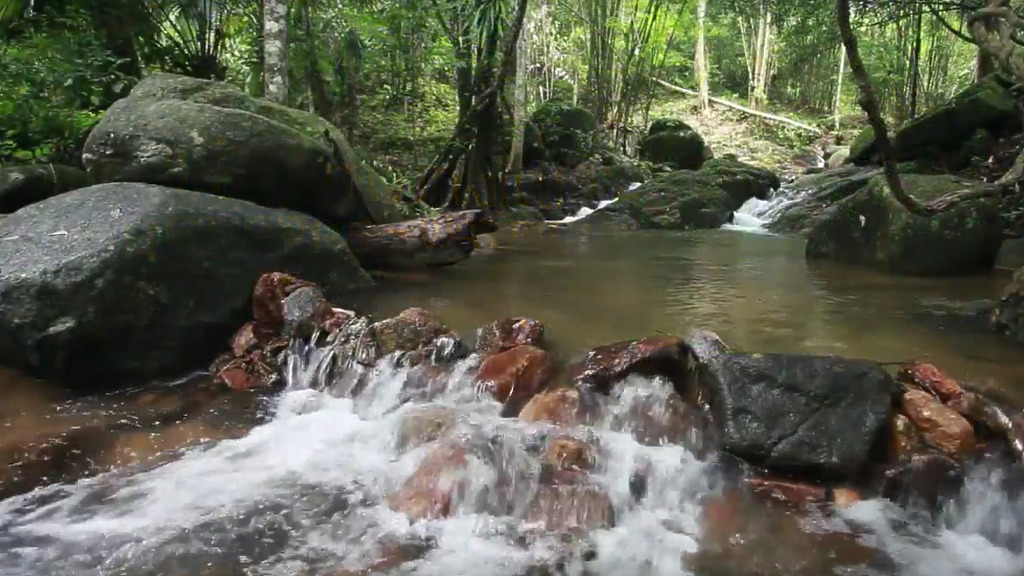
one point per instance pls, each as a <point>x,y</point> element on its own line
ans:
<point>122,282</point>
<point>817,416</point>
<point>211,137</point>
<point>814,194</point>
<point>24,185</point>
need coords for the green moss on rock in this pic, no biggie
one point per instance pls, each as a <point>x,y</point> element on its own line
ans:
<point>566,131</point>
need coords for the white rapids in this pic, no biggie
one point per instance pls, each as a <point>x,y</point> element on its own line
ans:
<point>305,493</point>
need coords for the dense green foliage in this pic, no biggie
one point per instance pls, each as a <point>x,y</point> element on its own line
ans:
<point>388,71</point>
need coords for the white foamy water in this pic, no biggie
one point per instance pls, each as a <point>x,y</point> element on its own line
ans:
<point>306,493</point>
<point>585,211</point>
<point>756,214</point>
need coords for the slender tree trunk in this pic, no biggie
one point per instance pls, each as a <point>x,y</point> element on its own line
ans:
<point>322,103</point>
<point>762,54</point>
<point>837,106</point>
<point>515,159</point>
<point>915,67</point>
<point>700,64</point>
<point>275,49</point>
<point>869,103</point>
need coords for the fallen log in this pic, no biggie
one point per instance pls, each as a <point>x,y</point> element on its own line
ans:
<point>421,243</point>
<point>744,109</point>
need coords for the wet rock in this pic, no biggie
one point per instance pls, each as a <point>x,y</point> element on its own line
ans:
<point>506,334</point>
<point>794,493</point>
<point>211,137</point>
<point>432,489</point>
<point>740,180</point>
<point>304,310</point>
<point>655,415</point>
<point>244,341</point>
<point>939,425</point>
<point>425,382</point>
<point>683,200</point>
<point>567,132</point>
<point>815,195</point>
<point>1008,316</point>
<point>871,229</point>
<point>268,297</point>
<point>411,330</point>
<point>515,376</point>
<point>24,185</point>
<point>86,269</point>
<point>845,497</point>
<point>571,508</point>
<point>799,414</point>
<point>603,367</point>
<point>930,379</point>
<point>675,144</point>
<point>561,406</point>
<point>567,453</point>
<point>927,479</point>
<point>903,439</point>
<point>424,425</point>
<point>48,457</point>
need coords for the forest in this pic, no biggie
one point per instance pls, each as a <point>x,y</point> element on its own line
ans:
<point>400,75</point>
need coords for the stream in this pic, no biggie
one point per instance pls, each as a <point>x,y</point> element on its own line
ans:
<point>299,485</point>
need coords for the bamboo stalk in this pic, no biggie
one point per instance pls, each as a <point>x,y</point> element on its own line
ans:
<point>744,109</point>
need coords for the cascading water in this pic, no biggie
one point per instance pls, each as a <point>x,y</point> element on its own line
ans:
<point>306,492</point>
<point>755,214</point>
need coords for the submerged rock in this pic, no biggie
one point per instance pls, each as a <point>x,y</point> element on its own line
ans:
<point>423,425</point>
<point>1008,316</point>
<point>24,185</point>
<point>904,440</point>
<point>212,137</point>
<point>927,479</point>
<point>818,416</point>
<point>871,228</point>
<point>123,281</point>
<point>515,376</point>
<point>571,508</point>
<point>562,406</point>
<point>435,486</point>
<point>674,143</point>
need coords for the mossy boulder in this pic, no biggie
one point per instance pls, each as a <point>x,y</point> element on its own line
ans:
<point>567,132</point>
<point>675,144</point>
<point>211,137</point>
<point>741,180</point>
<point>24,185</point>
<point>941,132</point>
<point>697,199</point>
<point>871,229</point>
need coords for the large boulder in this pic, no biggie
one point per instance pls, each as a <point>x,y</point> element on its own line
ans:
<point>871,228</point>
<point>696,199</point>
<point>122,282</point>
<point>675,143</point>
<point>940,133</point>
<point>817,416</point>
<point>1008,316</point>
<point>211,137</point>
<point>24,185</point>
<point>567,132</point>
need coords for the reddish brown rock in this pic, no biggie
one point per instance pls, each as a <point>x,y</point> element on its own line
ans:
<point>565,453</point>
<point>411,330</point>
<point>268,300</point>
<point>430,492</point>
<point>930,379</point>
<point>794,493</point>
<point>516,375</point>
<point>845,497</point>
<point>571,508</point>
<point>939,425</point>
<point>561,406</point>
<point>257,370</point>
<point>244,341</point>
<point>336,319</point>
<point>903,440</point>
<point>509,333</point>
<point>604,366</point>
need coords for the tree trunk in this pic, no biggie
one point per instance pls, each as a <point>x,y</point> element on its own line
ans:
<point>837,106</point>
<point>515,159</point>
<point>700,65</point>
<point>869,103</point>
<point>915,67</point>
<point>422,243</point>
<point>275,50</point>
<point>322,103</point>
